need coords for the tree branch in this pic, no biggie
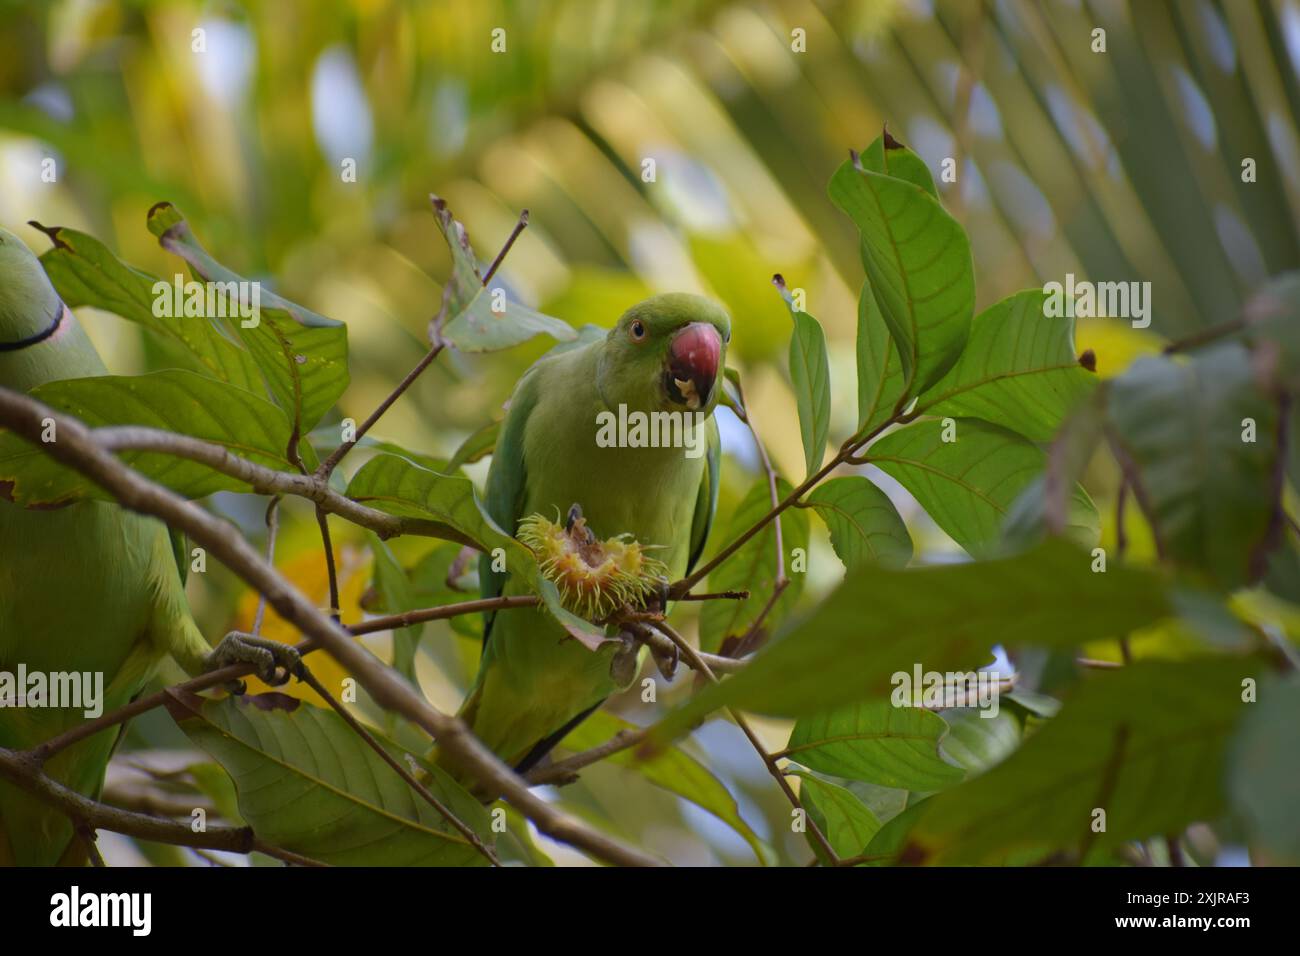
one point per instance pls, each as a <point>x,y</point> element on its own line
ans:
<point>25,772</point>
<point>77,448</point>
<point>269,481</point>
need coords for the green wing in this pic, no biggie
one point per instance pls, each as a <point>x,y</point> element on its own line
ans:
<point>506,483</point>
<point>706,502</point>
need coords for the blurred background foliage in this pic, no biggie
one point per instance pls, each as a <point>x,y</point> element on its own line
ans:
<point>1119,166</point>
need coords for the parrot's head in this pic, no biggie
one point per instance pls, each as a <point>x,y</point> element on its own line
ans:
<point>28,303</point>
<point>667,353</point>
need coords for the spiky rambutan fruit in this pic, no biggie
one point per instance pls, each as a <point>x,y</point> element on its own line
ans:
<point>594,577</point>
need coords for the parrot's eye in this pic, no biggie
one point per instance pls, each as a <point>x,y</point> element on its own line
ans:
<point>638,330</point>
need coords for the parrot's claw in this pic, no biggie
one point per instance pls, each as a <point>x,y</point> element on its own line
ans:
<point>273,662</point>
<point>663,589</point>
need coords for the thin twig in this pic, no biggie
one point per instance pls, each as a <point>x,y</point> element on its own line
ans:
<point>331,571</point>
<point>845,454</point>
<point>86,835</point>
<point>329,464</point>
<point>520,226</point>
<point>419,616</point>
<point>272,529</point>
<point>1205,336</point>
<point>564,770</point>
<point>24,772</point>
<point>269,481</point>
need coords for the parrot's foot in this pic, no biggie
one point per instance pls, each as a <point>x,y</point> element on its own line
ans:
<point>663,591</point>
<point>273,662</point>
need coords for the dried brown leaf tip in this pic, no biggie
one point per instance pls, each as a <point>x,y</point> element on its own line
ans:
<point>1088,359</point>
<point>890,142</point>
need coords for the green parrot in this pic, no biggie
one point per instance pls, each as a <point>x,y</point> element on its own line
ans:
<point>88,588</point>
<point>666,354</point>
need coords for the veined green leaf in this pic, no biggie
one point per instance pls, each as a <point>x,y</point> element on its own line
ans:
<point>979,739</point>
<point>810,373</point>
<point>865,526</point>
<point>843,819</point>
<point>874,741</point>
<point>888,156</point>
<point>946,617</point>
<point>396,595</point>
<point>918,260</point>
<point>175,400</point>
<point>301,354</point>
<point>86,273</point>
<point>308,783</point>
<point>400,487</point>
<point>472,324</point>
<point>880,372</point>
<point>167,223</point>
<point>1018,370</point>
<point>967,485</point>
<point>1123,736</point>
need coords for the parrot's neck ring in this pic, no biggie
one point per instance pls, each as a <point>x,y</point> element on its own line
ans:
<point>39,337</point>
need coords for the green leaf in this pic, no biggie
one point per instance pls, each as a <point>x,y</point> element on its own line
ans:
<point>478,328</point>
<point>671,769</point>
<point>1018,370</point>
<point>589,635</point>
<point>308,783</point>
<point>173,232</point>
<point>302,355</point>
<point>918,260</point>
<point>175,400</point>
<point>86,273</point>
<point>400,487</point>
<point>472,325</point>
<point>888,156</point>
<point>843,819</point>
<point>1264,774</point>
<point>874,741</point>
<point>1209,493</point>
<point>429,579</point>
<point>477,446</point>
<point>395,596</point>
<point>1145,742</point>
<point>979,739</point>
<point>946,617</point>
<point>880,372</point>
<point>865,526</point>
<point>306,368</point>
<point>888,844</point>
<point>753,568</point>
<point>966,485</point>
<point>1055,503</point>
<point>810,372</point>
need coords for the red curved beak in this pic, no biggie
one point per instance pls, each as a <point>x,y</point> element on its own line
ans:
<point>693,359</point>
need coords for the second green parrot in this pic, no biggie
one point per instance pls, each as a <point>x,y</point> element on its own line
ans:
<point>665,355</point>
<point>86,588</point>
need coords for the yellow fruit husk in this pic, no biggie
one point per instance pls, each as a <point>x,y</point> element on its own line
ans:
<point>594,578</point>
